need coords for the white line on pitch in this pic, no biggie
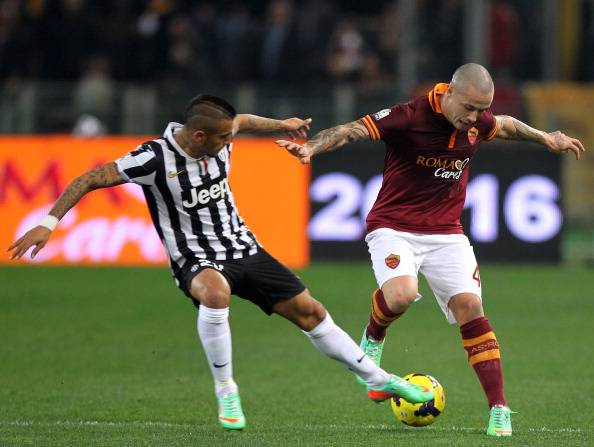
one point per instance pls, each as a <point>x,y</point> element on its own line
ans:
<point>92,423</point>
<point>439,428</point>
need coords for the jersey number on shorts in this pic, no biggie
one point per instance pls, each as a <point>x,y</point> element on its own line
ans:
<point>477,276</point>
<point>204,263</point>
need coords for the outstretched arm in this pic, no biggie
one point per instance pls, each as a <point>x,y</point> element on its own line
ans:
<point>510,128</point>
<point>294,127</point>
<point>327,140</point>
<point>102,177</point>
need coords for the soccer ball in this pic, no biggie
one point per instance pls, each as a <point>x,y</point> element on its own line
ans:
<point>419,415</point>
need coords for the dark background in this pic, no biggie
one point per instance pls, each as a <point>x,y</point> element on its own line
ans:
<point>506,161</point>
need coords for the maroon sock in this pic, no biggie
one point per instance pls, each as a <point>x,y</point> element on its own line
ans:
<point>380,317</point>
<point>482,349</point>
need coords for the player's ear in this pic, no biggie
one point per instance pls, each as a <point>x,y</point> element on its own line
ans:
<point>199,136</point>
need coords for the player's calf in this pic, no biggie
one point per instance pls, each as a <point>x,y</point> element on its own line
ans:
<point>382,315</point>
<point>380,318</point>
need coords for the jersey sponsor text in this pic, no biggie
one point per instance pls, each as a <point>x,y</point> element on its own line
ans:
<point>205,195</point>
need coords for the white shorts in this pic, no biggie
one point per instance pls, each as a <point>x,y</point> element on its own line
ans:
<point>447,261</point>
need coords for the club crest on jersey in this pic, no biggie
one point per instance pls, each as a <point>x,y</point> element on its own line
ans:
<point>472,135</point>
<point>381,114</point>
<point>393,261</point>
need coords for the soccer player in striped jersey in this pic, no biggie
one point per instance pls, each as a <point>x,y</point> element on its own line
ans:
<point>414,224</point>
<point>212,253</point>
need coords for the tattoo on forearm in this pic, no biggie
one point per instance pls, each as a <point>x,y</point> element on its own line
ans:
<point>102,177</point>
<point>260,124</point>
<point>333,138</point>
<point>514,129</point>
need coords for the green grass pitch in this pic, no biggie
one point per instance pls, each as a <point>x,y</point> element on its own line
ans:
<point>110,357</point>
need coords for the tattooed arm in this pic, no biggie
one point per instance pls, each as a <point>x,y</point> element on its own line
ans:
<point>294,127</point>
<point>509,128</point>
<point>327,140</point>
<point>102,177</point>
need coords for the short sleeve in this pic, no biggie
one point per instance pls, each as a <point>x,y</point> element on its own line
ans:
<point>138,166</point>
<point>387,121</point>
<point>491,124</point>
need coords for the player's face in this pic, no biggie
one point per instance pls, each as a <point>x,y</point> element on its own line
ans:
<point>219,137</point>
<point>463,106</point>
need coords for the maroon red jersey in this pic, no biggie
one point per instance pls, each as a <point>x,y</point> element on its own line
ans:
<point>426,165</point>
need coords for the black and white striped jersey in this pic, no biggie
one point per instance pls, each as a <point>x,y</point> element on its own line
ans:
<point>189,200</point>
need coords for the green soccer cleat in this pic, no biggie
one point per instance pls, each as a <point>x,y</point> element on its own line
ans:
<point>230,413</point>
<point>500,421</point>
<point>372,349</point>
<point>397,386</point>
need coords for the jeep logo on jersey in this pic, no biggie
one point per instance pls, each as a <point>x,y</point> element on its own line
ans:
<point>205,194</point>
<point>449,168</point>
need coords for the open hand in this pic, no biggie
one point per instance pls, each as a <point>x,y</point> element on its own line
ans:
<point>302,151</point>
<point>37,236</point>
<point>296,127</point>
<point>558,142</point>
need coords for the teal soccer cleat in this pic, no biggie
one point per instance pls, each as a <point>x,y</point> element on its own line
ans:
<point>230,413</point>
<point>397,386</point>
<point>500,421</point>
<point>372,349</point>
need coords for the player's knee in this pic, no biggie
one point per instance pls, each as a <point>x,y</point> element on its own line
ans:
<point>210,289</point>
<point>313,317</point>
<point>318,311</point>
<point>303,310</point>
<point>211,297</point>
<point>398,298</point>
<point>311,309</point>
<point>466,307</point>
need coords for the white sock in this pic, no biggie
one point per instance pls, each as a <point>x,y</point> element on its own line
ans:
<point>335,343</point>
<point>215,335</point>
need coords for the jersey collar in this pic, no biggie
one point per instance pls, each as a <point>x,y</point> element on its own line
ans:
<point>168,135</point>
<point>435,96</point>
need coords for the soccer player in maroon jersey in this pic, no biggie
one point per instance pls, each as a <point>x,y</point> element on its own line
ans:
<point>414,224</point>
